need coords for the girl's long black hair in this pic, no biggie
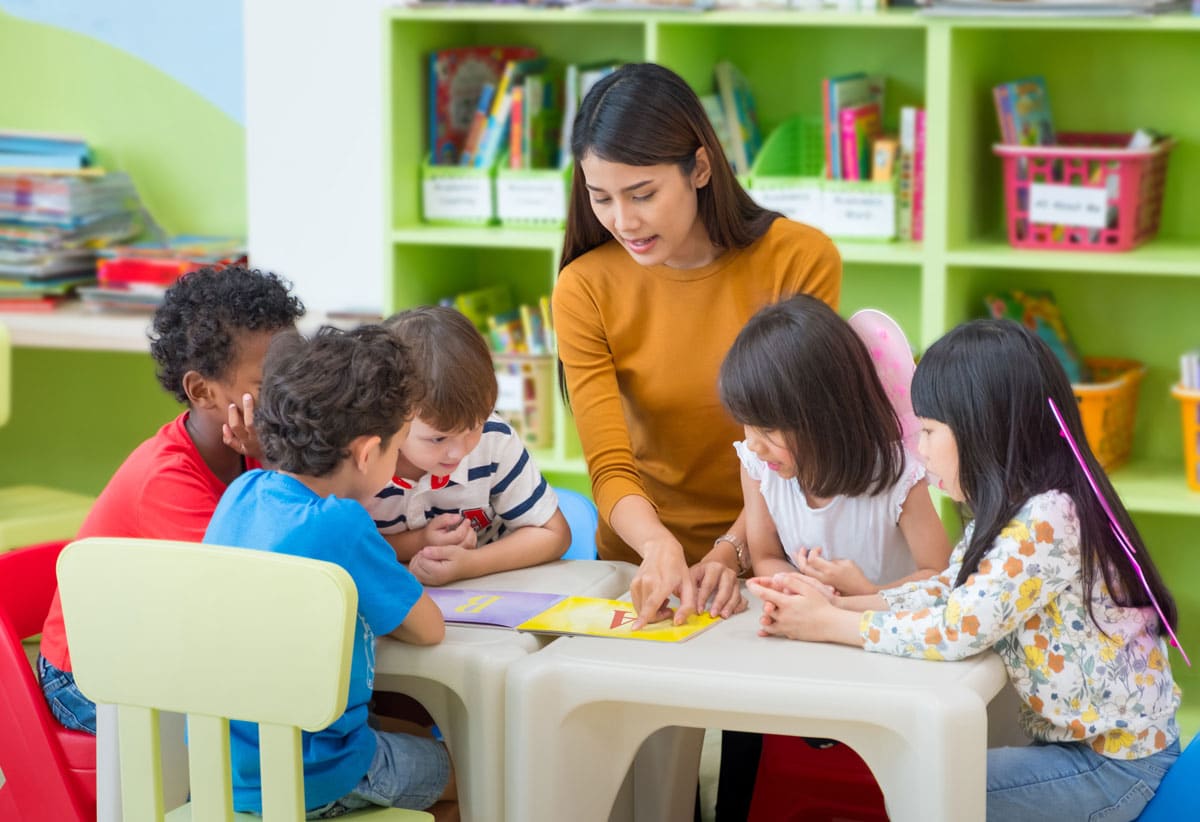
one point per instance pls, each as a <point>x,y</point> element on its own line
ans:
<point>988,381</point>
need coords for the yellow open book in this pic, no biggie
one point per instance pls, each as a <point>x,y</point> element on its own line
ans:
<point>592,616</point>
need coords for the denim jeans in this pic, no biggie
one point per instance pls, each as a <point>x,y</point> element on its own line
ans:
<point>407,772</point>
<point>68,704</point>
<point>1064,782</point>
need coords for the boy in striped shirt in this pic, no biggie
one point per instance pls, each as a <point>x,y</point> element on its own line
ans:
<point>466,499</point>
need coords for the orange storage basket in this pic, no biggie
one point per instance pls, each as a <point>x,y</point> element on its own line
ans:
<point>1189,408</point>
<point>1108,407</point>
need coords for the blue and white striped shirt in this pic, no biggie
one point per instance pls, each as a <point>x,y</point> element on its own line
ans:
<point>497,486</point>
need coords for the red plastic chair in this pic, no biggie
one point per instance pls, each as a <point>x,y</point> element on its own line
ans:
<point>49,771</point>
<point>799,783</point>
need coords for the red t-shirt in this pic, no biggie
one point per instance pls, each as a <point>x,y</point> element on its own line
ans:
<point>163,490</point>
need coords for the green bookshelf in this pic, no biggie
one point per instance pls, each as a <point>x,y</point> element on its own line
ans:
<point>1103,75</point>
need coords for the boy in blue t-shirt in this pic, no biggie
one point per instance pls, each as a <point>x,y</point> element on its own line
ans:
<point>333,411</point>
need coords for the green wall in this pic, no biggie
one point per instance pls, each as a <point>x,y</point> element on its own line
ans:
<point>76,415</point>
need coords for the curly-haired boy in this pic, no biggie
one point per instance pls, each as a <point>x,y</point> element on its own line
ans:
<point>333,413</point>
<point>208,340</point>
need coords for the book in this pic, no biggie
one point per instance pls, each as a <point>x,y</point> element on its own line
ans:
<point>906,156</point>
<point>534,331</point>
<point>918,178</point>
<point>500,609</point>
<point>542,613</point>
<point>457,76</point>
<point>1029,120</point>
<point>41,142</point>
<point>478,124</point>
<point>741,116</point>
<point>843,92</point>
<point>577,83</point>
<point>1004,114</point>
<point>482,303</point>
<point>543,118</point>
<point>860,125</point>
<point>883,159</point>
<point>56,161</point>
<point>33,150</point>
<point>495,136</point>
<point>593,616</point>
<point>516,129</point>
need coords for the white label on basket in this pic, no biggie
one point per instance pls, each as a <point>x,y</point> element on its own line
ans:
<point>512,392</point>
<point>870,214</point>
<point>800,203</point>
<point>531,199</point>
<point>457,198</point>
<point>1068,205</point>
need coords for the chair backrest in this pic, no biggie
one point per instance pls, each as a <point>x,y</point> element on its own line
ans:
<point>583,518</point>
<point>216,633</point>
<point>1177,797</point>
<point>38,782</point>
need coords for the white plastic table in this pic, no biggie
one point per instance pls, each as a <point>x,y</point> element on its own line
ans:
<point>579,710</point>
<point>461,681</point>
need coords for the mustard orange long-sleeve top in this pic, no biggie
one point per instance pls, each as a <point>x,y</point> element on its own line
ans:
<point>642,346</point>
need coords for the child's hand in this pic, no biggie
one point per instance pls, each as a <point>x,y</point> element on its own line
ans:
<point>450,529</point>
<point>792,615</point>
<point>718,581</point>
<point>795,582</point>
<point>440,564</point>
<point>238,432</point>
<point>842,574</point>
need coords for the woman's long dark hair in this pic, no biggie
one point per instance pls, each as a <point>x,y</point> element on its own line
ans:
<point>988,381</point>
<point>645,115</point>
<point>800,369</point>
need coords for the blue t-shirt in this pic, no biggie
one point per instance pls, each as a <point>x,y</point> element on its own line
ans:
<point>273,512</point>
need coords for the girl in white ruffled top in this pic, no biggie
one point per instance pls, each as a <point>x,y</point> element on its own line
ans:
<point>829,489</point>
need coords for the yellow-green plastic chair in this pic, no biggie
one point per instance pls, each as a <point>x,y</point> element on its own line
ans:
<point>29,513</point>
<point>218,634</point>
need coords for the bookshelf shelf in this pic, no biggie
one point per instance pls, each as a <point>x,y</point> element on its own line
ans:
<point>488,237</point>
<point>1156,488</point>
<point>906,253</point>
<point>1163,257</point>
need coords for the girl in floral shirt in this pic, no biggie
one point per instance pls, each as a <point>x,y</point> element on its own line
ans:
<point>1039,577</point>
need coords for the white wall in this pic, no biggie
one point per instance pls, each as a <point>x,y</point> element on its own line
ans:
<point>314,147</point>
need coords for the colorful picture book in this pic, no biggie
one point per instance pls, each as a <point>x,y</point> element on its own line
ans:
<point>499,609</point>
<point>558,614</point>
<point>1038,312</point>
<point>457,77</point>
<point>1023,110</point>
<point>838,94</point>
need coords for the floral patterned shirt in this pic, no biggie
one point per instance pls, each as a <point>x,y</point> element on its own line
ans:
<point>1025,601</point>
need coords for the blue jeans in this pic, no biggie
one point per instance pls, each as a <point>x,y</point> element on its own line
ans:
<point>1070,781</point>
<point>407,772</point>
<point>68,704</point>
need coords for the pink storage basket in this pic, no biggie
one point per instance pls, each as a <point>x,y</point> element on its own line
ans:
<point>1127,182</point>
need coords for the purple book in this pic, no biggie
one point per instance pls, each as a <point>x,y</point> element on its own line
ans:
<point>502,609</point>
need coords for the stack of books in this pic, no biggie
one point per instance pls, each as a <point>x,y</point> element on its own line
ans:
<point>51,227</point>
<point>135,277</point>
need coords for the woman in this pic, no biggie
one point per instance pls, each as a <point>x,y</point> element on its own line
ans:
<point>664,260</point>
